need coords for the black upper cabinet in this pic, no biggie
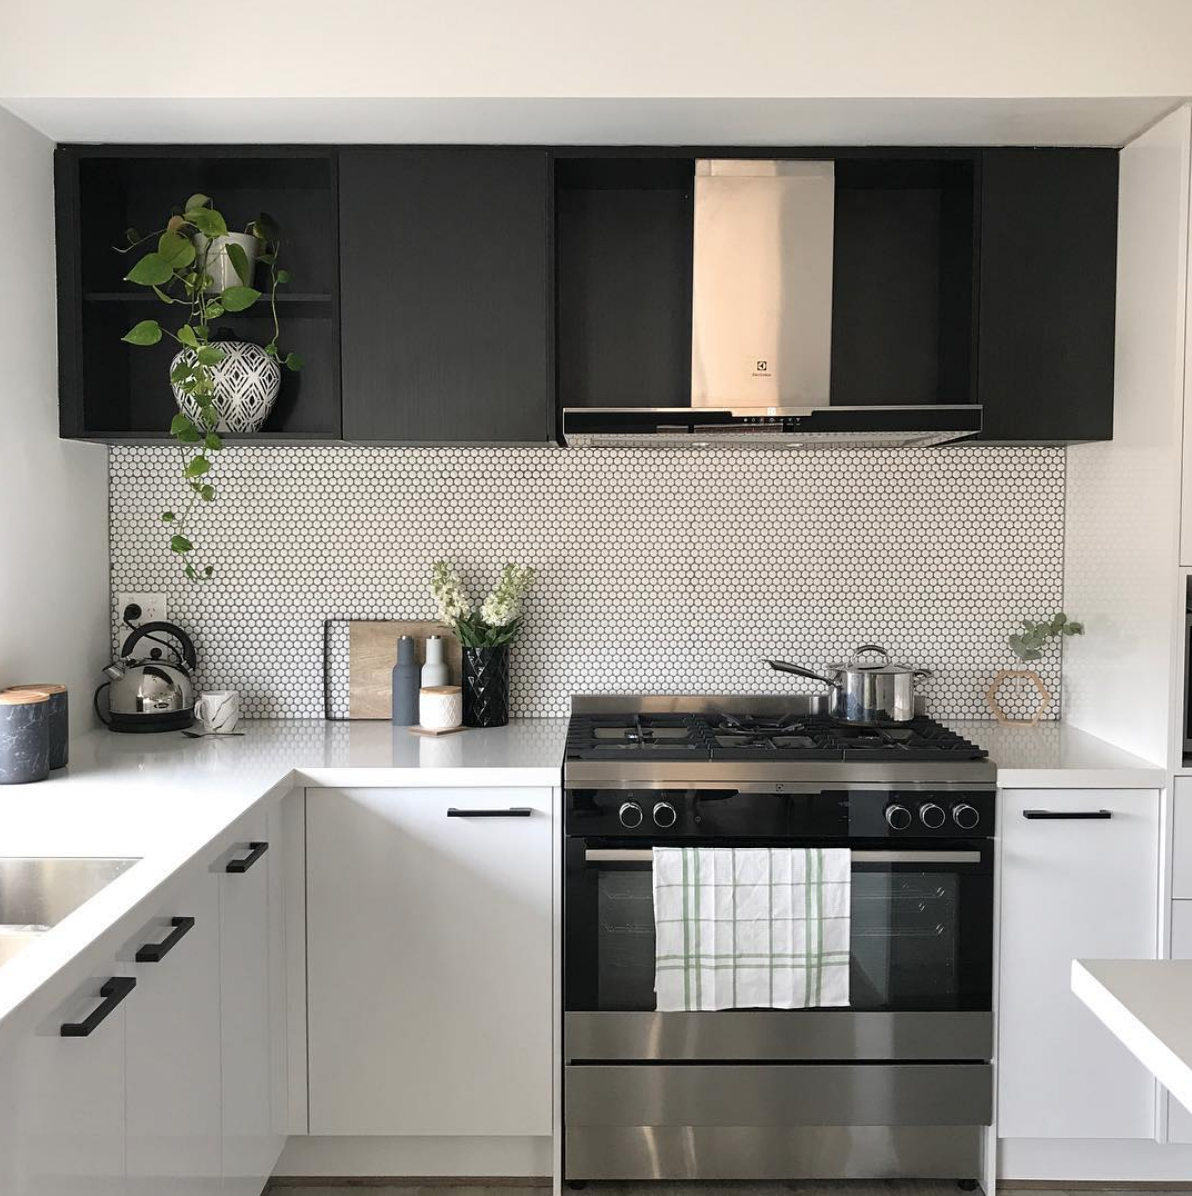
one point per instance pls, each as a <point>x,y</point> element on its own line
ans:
<point>446,298</point>
<point>1047,286</point>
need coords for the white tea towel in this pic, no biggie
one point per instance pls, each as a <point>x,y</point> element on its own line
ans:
<point>751,927</point>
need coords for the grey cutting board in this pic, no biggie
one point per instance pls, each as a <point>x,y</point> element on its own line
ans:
<point>372,653</point>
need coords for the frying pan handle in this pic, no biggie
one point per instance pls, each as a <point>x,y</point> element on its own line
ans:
<point>784,666</point>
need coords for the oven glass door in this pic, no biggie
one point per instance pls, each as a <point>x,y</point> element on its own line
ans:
<point>921,935</point>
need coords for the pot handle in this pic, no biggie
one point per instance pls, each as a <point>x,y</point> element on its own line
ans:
<point>919,673</point>
<point>870,648</point>
<point>784,666</point>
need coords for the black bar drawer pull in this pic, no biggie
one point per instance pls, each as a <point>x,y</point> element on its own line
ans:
<point>156,952</point>
<point>512,812</point>
<point>113,993</point>
<point>256,850</point>
<point>1069,814</point>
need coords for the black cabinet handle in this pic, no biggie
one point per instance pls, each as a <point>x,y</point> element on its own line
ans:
<point>113,993</point>
<point>512,812</point>
<point>156,952</point>
<point>256,850</point>
<point>1070,814</point>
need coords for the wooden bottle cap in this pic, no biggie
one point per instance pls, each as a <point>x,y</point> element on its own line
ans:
<point>22,697</point>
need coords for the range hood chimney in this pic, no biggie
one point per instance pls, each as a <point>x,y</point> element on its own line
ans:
<point>761,329</point>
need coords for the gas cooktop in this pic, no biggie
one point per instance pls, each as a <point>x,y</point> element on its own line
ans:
<point>734,736</point>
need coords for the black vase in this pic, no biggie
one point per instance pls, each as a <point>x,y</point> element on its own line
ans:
<point>486,686</point>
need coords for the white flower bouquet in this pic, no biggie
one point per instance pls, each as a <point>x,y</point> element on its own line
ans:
<point>498,620</point>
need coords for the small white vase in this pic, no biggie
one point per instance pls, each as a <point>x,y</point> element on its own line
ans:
<point>246,386</point>
<point>219,265</point>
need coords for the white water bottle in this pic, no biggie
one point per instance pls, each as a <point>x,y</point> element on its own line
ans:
<point>434,671</point>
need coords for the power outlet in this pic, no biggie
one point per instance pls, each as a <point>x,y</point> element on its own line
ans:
<point>152,609</point>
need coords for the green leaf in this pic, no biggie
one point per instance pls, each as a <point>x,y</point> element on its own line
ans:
<point>208,493</point>
<point>197,467</point>
<point>214,311</point>
<point>186,334</point>
<point>293,362</point>
<point>163,296</point>
<point>180,423</point>
<point>197,200</point>
<point>208,570</point>
<point>271,348</point>
<point>211,355</point>
<point>151,270</point>
<point>208,221</point>
<point>147,332</point>
<point>283,276</point>
<point>176,249</point>
<point>190,435</point>
<point>180,544</point>
<point>239,298</point>
<point>190,572</point>
<point>267,258</point>
<point>265,227</point>
<point>182,372</point>
<point>132,236</point>
<point>1074,629</point>
<point>239,260</point>
<point>213,442</point>
<point>167,516</point>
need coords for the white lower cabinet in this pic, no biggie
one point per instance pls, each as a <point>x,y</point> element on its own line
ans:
<point>249,1003</point>
<point>1072,886</point>
<point>429,945</point>
<point>173,1054</point>
<point>64,1098</point>
<point>1179,1127</point>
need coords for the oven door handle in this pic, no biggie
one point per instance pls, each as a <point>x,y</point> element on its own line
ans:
<point>630,855</point>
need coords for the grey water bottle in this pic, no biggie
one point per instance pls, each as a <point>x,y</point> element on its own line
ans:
<point>406,679</point>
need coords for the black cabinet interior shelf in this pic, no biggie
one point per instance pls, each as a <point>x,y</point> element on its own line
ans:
<point>115,392</point>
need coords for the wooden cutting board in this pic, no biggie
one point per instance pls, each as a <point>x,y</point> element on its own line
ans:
<point>372,653</point>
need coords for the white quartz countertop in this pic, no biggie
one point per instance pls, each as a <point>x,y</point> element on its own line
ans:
<point>167,799</point>
<point>1147,1004</point>
<point>1053,755</point>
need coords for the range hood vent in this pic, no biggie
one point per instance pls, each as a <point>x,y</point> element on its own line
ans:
<point>761,335</point>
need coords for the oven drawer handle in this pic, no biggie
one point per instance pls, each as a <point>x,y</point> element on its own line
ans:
<point>1071,814</point>
<point>626,855</point>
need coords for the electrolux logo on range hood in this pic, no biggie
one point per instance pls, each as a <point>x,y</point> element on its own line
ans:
<point>761,329</point>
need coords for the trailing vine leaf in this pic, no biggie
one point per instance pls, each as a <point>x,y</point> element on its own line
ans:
<point>239,298</point>
<point>151,270</point>
<point>239,260</point>
<point>147,332</point>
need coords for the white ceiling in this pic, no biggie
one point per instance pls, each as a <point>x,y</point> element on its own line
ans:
<point>562,121</point>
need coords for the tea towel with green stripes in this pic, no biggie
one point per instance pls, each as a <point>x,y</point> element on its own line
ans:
<point>751,928</point>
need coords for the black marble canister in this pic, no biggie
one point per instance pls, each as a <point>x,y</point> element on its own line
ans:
<point>24,737</point>
<point>59,718</point>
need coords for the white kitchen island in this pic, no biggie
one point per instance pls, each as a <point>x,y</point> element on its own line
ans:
<point>1147,1005</point>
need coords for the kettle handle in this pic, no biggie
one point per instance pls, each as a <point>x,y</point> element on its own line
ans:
<point>188,648</point>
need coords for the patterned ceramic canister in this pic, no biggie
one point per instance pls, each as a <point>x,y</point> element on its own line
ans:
<point>218,711</point>
<point>246,386</point>
<point>440,707</point>
<point>24,737</point>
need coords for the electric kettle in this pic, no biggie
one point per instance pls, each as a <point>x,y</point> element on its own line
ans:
<point>151,694</point>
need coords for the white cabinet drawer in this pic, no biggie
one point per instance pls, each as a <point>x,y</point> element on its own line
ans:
<point>1181,868</point>
<point>1180,1120</point>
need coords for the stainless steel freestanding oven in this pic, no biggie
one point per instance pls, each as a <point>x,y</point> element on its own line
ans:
<point>897,1084</point>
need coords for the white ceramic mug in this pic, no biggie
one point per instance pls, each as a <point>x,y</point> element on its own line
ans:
<point>218,711</point>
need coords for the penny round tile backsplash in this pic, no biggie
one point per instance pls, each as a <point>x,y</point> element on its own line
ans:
<point>659,572</point>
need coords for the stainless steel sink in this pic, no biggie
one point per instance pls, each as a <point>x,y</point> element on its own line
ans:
<point>37,892</point>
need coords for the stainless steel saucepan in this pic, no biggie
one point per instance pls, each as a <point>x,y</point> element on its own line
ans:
<point>879,692</point>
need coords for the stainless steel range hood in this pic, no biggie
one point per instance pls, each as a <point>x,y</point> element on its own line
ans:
<point>761,335</point>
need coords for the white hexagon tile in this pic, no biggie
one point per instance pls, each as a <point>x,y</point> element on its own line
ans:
<point>659,571</point>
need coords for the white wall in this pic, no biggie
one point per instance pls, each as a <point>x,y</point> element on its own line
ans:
<point>53,494</point>
<point>558,48</point>
<point>1122,506</point>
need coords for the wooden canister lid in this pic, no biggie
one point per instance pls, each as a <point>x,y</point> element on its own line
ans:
<point>44,687</point>
<point>22,697</point>
<point>440,689</point>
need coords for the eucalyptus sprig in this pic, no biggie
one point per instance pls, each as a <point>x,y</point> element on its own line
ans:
<point>1030,643</point>
<point>177,271</point>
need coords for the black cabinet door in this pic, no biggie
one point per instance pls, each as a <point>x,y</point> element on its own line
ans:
<point>1047,285</point>
<point>445,291</point>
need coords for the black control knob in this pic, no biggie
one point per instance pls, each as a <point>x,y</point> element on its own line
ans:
<point>932,816</point>
<point>631,814</point>
<point>665,814</point>
<point>898,818</point>
<point>965,816</point>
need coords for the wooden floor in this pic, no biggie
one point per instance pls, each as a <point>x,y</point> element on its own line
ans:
<point>807,1188</point>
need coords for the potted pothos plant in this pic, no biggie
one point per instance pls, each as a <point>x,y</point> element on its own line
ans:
<point>485,634</point>
<point>200,270</point>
